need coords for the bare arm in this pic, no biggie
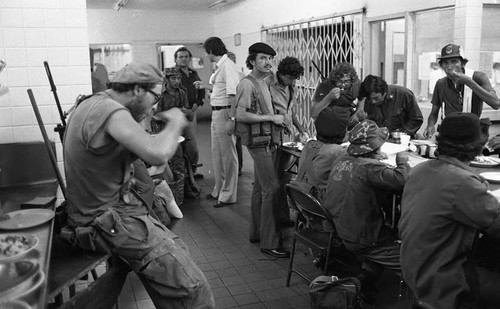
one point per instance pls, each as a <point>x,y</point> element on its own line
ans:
<point>297,124</point>
<point>246,117</point>
<point>489,97</point>
<point>431,122</point>
<point>154,149</point>
<point>317,107</point>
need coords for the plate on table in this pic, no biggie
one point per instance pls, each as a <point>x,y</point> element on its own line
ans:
<point>493,177</point>
<point>14,246</point>
<point>482,161</point>
<point>22,219</point>
<point>16,277</point>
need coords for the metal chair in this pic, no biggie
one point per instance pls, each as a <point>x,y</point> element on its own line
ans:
<point>311,232</point>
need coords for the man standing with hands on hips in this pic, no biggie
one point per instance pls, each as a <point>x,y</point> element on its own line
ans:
<point>256,126</point>
<point>461,90</point>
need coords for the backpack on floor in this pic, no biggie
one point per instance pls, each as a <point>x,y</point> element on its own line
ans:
<point>330,292</point>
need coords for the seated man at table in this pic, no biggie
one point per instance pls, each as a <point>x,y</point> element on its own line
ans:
<point>102,140</point>
<point>359,187</point>
<point>445,206</point>
<point>318,155</point>
<point>391,106</point>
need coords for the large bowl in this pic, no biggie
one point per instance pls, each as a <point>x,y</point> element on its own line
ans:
<point>17,277</point>
<point>15,246</point>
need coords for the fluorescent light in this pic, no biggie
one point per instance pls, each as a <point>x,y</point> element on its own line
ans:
<point>217,3</point>
<point>120,4</point>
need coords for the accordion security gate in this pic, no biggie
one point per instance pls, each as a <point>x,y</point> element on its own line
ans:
<point>324,41</point>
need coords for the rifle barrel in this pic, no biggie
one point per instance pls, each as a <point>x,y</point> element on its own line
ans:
<point>54,92</point>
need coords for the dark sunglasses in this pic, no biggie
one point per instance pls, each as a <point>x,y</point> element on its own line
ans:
<point>155,95</point>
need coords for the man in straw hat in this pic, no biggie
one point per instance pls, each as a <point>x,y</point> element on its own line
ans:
<point>102,140</point>
<point>444,208</point>
<point>461,90</point>
<point>359,187</point>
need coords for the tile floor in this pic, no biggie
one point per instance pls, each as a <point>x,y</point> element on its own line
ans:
<point>239,274</point>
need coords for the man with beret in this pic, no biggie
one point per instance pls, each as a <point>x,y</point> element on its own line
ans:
<point>444,208</point>
<point>174,96</point>
<point>393,106</point>
<point>341,88</point>
<point>223,101</point>
<point>360,187</point>
<point>105,213</point>
<point>318,155</point>
<point>461,90</point>
<point>255,111</point>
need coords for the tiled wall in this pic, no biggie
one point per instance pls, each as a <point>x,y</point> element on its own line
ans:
<point>33,31</point>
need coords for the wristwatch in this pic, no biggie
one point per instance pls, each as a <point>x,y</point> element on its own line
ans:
<point>233,118</point>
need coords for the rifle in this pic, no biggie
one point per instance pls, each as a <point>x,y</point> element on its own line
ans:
<point>323,78</point>
<point>61,127</point>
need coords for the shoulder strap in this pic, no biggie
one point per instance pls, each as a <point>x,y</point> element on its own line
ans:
<point>261,99</point>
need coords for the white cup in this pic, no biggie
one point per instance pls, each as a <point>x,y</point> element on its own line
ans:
<point>405,139</point>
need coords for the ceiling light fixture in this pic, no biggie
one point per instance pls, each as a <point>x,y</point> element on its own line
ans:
<point>120,4</point>
<point>217,4</point>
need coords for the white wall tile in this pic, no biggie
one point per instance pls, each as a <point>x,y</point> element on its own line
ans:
<point>75,4</point>
<point>36,56</point>
<point>79,56</point>
<point>44,96</point>
<point>6,135</point>
<point>35,37</point>
<point>1,38</point>
<point>66,97</point>
<point>79,75</point>
<point>23,116</point>
<point>76,90</point>
<point>11,4</point>
<point>75,18</point>
<point>13,37</point>
<point>59,151</point>
<point>61,75</point>
<point>56,37</point>
<point>37,76</point>
<point>47,115</point>
<point>19,96</point>
<point>54,18</point>
<point>51,4</point>
<point>18,76</point>
<point>12,18</point>
<point>58,56</point>
<point>33,18</point>
<point>5,117</point>
<point>16,57</point>
<point>77,37</point>
<point>26,134</point>
<point>32,4</point>
<point>5,96</point>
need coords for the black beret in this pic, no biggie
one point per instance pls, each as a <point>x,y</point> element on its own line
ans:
<point>332,122</point>
<point>262,48</point>
<point>460,128</point>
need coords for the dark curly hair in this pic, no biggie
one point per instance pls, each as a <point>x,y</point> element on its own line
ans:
<point>341,69</point>
<point>463,152</point>
<point>371,84</point>
<point>182,49</point>
<point>250,58</point>
<point>290,66</point>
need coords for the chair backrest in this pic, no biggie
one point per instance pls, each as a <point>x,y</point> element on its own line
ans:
<point>310,208</point>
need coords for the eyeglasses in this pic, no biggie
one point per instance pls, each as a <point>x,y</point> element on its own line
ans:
<point>155,95</point>
<point>343,82</point>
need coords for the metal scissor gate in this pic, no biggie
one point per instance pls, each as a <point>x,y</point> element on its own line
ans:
<point>326,41</point>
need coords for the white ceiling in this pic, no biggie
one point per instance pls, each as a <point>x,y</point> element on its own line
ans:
<point>155,4</point>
